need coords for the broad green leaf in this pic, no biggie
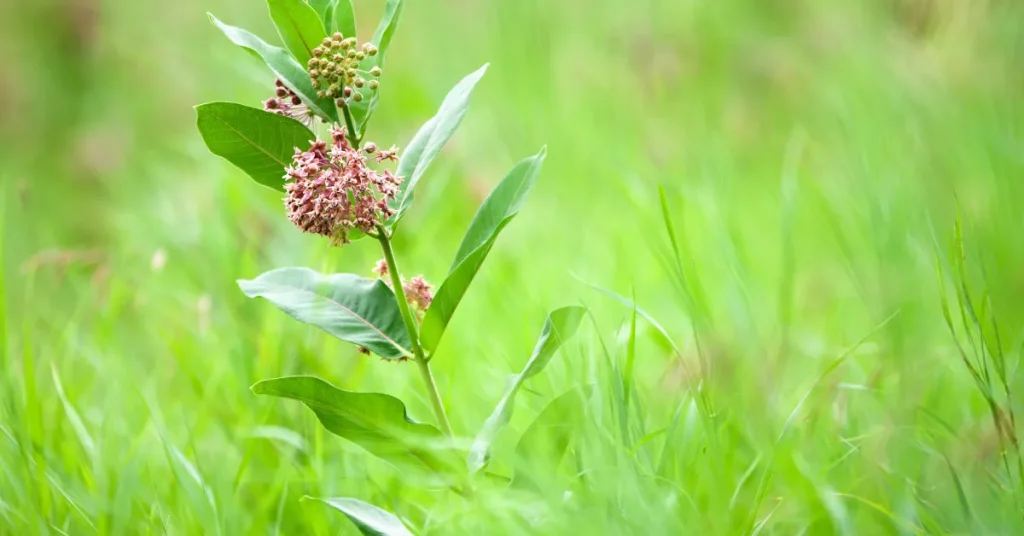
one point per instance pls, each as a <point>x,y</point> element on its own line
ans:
<point>299,26</point>
<point>370,520</point>
<point>544,442</point>
<point>375,421</point>
<point>352,308</point>
<point>559,327</point>
<point>342,17</point>
<point>432,136</point>
<point>259,143</point>
<point>361,111</point>
<point>496,212</point>
<point>284,67</point>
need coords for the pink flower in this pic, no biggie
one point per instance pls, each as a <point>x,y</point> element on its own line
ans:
<point>417,291</point>
<point>332,191</point>
<point>285,102</point>
<point>381,269</point>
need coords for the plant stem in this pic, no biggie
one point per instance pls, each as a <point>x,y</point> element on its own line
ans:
<point>350,127</point>
<point>410,326</point>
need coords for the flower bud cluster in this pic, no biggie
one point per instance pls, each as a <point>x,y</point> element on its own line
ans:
<point>335,69</point>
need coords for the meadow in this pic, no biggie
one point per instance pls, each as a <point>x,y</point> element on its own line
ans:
<point>797,227</point>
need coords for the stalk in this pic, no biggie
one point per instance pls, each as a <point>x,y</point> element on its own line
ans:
<point>410,327</point>
<point>353,140</point>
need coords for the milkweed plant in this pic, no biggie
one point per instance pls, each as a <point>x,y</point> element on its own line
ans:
<point>308,142</point>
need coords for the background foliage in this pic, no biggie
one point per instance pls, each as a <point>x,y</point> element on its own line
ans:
<point>814,157</point>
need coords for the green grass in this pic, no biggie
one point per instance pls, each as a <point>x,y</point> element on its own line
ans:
<point>801,376</point>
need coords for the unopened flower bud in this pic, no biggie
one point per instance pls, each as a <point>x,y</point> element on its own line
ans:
<point>370,148</point>
<point>337,58</point>
<point>373,84</point>
<point>359,82</point>
<point>371,50</point>
<point>321,94</point>
<point>347,92</point>
<point>326,42</point>
<point>350,54</point>
<point>360,56</point>
<point>351,42</point>
<point>337,36</point>
<point>296,100</point>
<point>316,84</point>
<point>335,45</point>
<point>339,102</point>
<point>351,73</point>
<point>281,92</point>
<point>375,71</point>
<point>358,97</point>
<point>313,73</point>
<point>278,83</point>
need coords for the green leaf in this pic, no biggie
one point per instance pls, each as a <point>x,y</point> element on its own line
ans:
<point>299,26</point>
<point>370,520</point>
<point>496,212</point>
<point>284,67</point>
<point>559,327</point>
<point>432,136</point>
<point>321,7</point>
<point>544,442</point>
<point>361,111</point>
<point>259,143</point>
<point>375,421</point>
<point>342,17</point>
<point>352,308</point>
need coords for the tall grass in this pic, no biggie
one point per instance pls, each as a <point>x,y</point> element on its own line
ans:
<point>765,193</point>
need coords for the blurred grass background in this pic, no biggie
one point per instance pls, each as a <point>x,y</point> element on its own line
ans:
<point>814,156</point>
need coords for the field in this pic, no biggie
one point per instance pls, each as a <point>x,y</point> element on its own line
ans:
<point>798,227</point>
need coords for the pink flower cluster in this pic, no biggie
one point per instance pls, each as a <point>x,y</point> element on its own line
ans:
<point>331,190</point>
<point>285,102</point>
<point>417,290</point>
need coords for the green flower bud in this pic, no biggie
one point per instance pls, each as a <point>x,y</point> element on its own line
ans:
<point>360,56</point>
<point>375,71</point>
<point>313,73</point>
<point>335,45</point>
<point>351,73</point>
<point>351,53</point>
<point>339,102</point>
<point>321,94</point>
<point>316,84</point>
<point>338,58</point>
<point>359,82</point>
<point>351,42</point>
<point>370,147</point>
<point>337,36</point>
<point>326,42</point>
<point>373,85</point>
<point>358,97</point>
<point>371,50</point>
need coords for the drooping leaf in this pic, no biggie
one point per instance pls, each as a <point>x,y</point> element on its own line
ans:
<point>375,421</point>
<point>284,67</point>
<point>361,111</point>
<point>342,17</point>
<point>299,25</point>
<point>543,443</point>
<point>259,143</point>
<point>432,136</point>
<point>352,308</point>
<point>493,215</point>
<point>559,327</point>
<point>369,519</point>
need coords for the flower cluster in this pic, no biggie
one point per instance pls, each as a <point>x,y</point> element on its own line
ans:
<point>334,69</point>
<point>331,190</point>
<point>285,102</point>
<point>417,290</point>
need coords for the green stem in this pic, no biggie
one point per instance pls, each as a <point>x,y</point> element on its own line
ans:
<point>350,127</point>
<point>410,326</point>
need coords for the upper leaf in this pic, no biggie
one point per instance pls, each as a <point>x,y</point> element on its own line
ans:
<point>352,308</point>
<point>361,111</point>
<point>432,136</point>
<point>321,7</point>
<point>370,520</point>
<point>560,325</point>
<point>259,143</point>
<point>375,421</point>
<point>285,68</point>
<point>342,17</point>
<point>299,25</point>
<point>496,212</point>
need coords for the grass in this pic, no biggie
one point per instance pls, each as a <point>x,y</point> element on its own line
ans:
<point>808,216</point>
